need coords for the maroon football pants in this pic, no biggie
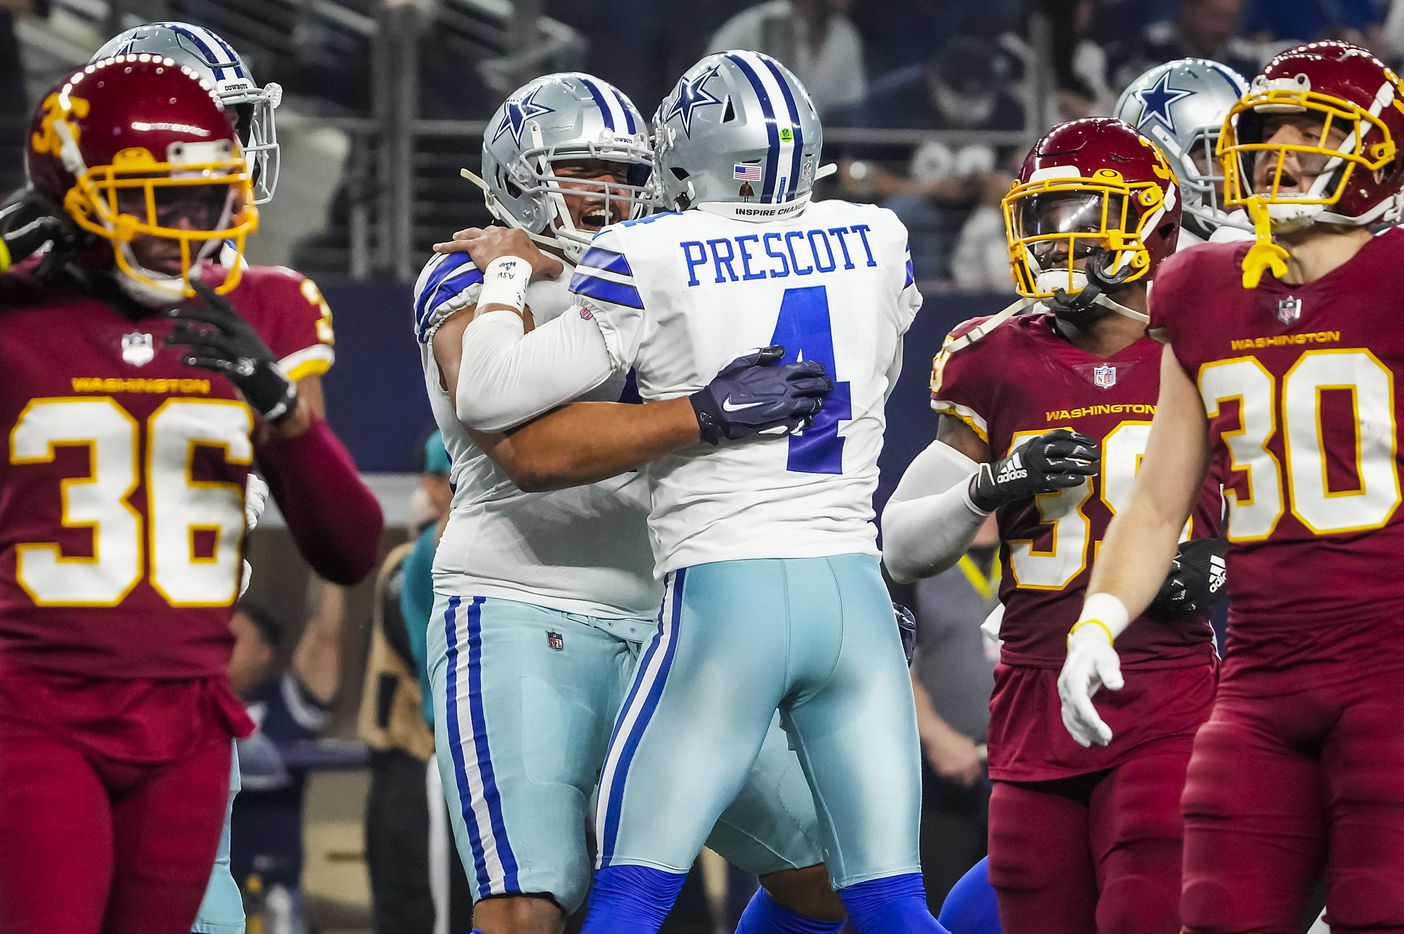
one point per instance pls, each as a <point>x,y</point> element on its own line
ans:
<point>1093,853</point>
<point>93,845</point>
<point>1290,767</point>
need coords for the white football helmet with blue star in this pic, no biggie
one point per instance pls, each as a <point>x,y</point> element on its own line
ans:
<point>738,136</point>
<point>1181,105</point>
<point>560,118</point>
<point>216,61</point>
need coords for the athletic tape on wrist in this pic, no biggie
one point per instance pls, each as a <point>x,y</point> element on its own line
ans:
<point>505,283</point>
<point>1105,611</point>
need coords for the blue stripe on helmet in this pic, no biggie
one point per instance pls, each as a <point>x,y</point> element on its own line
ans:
<point>582,283</point>
<point>628,109</point>
<point>597,257</point>
<point>1232,79</point>
<point>233,56</point>
<point>491,796</point>
<point>768,111</point>
<point>798,155</point>
<point>460,769</point>
<point>631,744</point>
<point>210,54</point>
<point>600,102</point>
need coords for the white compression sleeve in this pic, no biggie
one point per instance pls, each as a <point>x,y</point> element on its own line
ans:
<point>506,377</point>
<point>930,522</point>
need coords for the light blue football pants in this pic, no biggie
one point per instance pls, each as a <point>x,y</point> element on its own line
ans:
<point>524,701</point>
<point>813,638</point>
<point>222,910</point>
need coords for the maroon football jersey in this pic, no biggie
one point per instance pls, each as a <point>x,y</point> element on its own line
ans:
<point>1298,382</point>
<point>1023,379</point>
<point>122,488</point>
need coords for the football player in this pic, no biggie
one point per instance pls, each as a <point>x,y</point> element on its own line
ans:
<point>1181,106</point>
<point>1279,370</point>
<point>544,597</point>
<point>301,323</point>
<point>1044,421</point>
<point>134,415</point>
<point>773,597</point>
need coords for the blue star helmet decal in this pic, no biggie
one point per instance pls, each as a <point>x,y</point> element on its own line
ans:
<point>691,95</point>
<point>518,113</point>
<point>1156,102</point>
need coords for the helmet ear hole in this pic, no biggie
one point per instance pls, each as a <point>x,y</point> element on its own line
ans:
<point>729,114</point>
<point>679,173</point>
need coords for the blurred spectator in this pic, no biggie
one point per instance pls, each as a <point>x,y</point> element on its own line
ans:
<point>1288,22</point>
<point>934,186</point>
<point>980,261</point>
<point>952,677</point>
<point>899,34</point>
<point>813,38</point>
<point>289,706</point>
<point>15,108</point>
<point>1201,29</point>
<point>413,877</point>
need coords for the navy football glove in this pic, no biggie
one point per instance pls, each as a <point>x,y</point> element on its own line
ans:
<point>1196,579</point>
<point>906,628</point>
<point>1051,462</point>
<point>752,394</point>
<point>28,220</point>
<point>218,338</point>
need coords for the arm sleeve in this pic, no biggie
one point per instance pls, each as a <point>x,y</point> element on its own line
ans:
<point>333,517</point>
<point>929,522</point>
<point>508,377</point>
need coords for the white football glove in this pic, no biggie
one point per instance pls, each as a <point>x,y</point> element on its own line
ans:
<point>1091,664</point>
<point>255,499</point>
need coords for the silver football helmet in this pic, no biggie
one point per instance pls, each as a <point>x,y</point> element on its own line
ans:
<point>738,136</point>
<point>214,60</point>
<point>566,117</point>
<point>1181,105</point>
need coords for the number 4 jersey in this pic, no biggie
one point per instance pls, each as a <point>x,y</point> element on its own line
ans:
<point>1021,380</point>
<point>1299,385</point>
<point>680,295</point>
<point>122,482</point>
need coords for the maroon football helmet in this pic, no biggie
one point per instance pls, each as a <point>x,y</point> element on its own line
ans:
<point>1092,190</point>
<point>138,146</point>
<point>1357,110</point>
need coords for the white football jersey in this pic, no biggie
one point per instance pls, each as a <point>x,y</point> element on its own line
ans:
<point>581,550</point>
<point>678,296</point>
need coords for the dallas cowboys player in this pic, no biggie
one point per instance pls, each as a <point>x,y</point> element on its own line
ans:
<point>773,598</point>
<point>543,598</point>
<point>1181,105</point>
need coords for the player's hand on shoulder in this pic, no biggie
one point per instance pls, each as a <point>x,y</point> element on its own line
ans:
<point>1050,462</point>
<point>1092,664</point>
<point>485,244</point>
<point>28,221</point>
<point>1197,577</point>
<point>756,393</point>
<point>217,338</point>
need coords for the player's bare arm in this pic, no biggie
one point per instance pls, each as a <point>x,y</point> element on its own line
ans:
<point>1139,548</point>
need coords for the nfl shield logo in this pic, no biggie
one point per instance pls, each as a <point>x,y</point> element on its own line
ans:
<point>138,348</point>
<point>1104,376</point>
<point>556,641</point>
<point>1289,310</point>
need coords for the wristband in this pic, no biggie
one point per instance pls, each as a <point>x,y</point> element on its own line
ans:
<point>1105,612</point>
<point>505,283</point>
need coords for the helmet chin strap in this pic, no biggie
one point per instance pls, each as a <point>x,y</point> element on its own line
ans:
<point>1100,280</point>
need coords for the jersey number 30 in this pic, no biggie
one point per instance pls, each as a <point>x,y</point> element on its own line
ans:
<point>804,330</point>
<point>179,508</point>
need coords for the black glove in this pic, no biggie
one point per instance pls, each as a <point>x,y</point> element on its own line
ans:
<point>1196,579</point>
<point>1050,462</point>
<point>906,628</point>
<point>219,339</point>
<point>28,220</point>
<point>752,394</point>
